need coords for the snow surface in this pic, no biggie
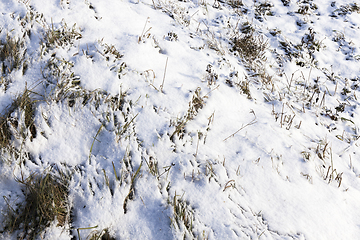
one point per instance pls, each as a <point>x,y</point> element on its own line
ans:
<point>267,181</point>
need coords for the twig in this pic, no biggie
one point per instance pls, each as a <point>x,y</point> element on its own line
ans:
<point>250,123</point>
<point>143,31</point>
<point>282,114</point>
<point>116,176</point>
<point>197,147</point>
<point>85,229</point>
<point>92,145</point>
<point>323,100</point>
<point>154,4</point>
<point>162,85</point>
<point>212,90</point>
<point>228,184</point>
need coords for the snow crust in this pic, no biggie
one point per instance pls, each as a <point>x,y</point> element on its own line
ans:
<point>265,181</point>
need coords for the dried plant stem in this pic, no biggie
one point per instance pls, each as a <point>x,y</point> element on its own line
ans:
<point>92,145</point>
<point>162,85</point>
<point>250,123</point>
<point>143,31</point>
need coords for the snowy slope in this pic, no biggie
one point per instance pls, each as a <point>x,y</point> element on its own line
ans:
<point>185,119</point>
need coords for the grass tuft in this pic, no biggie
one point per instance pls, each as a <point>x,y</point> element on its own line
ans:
<point>251,48</point>
<point>24,106</point>
<point>96,234</point>
<point>263,9</point>
<point>12,58</point>
<point>346,9</point>
<point>195,105</point>
<point>46,200</point>
<point>183,218</point>
<point>5,134</point>
<point>59,37</point>
<point>12,54</point>
<point>25,103</point>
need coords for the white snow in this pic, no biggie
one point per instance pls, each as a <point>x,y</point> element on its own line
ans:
<point>281,162</point>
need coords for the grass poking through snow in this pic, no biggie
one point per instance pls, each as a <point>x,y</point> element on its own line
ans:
<point>45,200</point>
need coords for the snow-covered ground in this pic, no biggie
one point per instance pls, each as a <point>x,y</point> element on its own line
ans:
<point>231,119</point>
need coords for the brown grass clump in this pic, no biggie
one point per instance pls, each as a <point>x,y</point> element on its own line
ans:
<point>5,134</point>
<point>46,199</point>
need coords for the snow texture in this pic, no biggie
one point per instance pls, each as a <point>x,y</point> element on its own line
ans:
<point>265,148</point>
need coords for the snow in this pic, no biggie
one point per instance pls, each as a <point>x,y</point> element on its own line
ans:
<point>245,166</point>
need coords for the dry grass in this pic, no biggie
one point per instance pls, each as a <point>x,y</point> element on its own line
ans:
<point>250,47</point>
<point>183,217</point>
<point>23,103</point>
<point>12,58</point>
<point>5,134</point>
<point>45,201</point>
<point>60,37</point>
<point>12,54</point>
<point>195,105</point>
<point>26,104</point>
<point>100,235</point>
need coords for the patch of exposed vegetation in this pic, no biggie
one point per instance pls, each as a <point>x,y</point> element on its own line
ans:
<point>344,10</point>
<point>195,105</point>
<point>12,58</point>
<point>45,200</point>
